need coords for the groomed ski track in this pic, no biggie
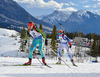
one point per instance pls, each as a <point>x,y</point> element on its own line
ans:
<point>83,70</point>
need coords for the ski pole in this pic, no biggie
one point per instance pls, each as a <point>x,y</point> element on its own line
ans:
<point>38,59</point>
<point>61,26</point>
<point>64,61</point>
<point>74,56</point>
<point>42,63</point>
<point>29,18</point>
<point>60,58</point>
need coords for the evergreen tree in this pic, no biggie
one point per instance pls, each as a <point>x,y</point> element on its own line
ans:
<point>35,25</point>
<point>22,41</point>
<point>76,34</point>
<point>41,27</point>
<point>99,48</point>
<point>1,26</point>
<point>94,50</point>
<point>10,28</point>
<point>70,35</point>
<point>81,34</point>
<point>54,31</point>
<point>53,42</point>
<point>49,36</point>
<point>22,33</point>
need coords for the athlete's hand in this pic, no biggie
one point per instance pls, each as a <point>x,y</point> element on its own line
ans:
<point>46,43</point>
<point>70,46</point>
<point>25,42</point>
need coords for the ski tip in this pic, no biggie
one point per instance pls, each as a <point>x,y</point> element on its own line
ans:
<point>47,65</point>
<point>75,65</point>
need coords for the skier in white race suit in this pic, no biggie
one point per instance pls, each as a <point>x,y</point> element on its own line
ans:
<point>64,41</point>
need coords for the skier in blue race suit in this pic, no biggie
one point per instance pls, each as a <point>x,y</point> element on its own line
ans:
<point>38,37</point>
<point>64,41</point>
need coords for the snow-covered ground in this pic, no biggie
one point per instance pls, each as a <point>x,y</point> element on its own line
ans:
<point>83,69</point>
<point>6,32</point>
<point>9,43</point>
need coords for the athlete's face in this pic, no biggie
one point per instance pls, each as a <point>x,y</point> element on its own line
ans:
<point>30,27</point>
<point>60,34</point>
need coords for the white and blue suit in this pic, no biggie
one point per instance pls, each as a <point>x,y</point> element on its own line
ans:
<point>64,40</point>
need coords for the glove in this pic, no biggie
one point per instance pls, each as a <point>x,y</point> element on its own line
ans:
<point>70,46</point>
<point>25,42</point>
<point>46,43</point>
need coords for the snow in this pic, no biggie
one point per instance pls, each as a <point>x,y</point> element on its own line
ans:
<point>9,45</point>
<point>55,17</point>
<point>83,12</point>
<point>9,55</point>
<point>83,69</point>
<point>6,32</point>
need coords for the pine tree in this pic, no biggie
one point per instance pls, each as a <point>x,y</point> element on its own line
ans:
<point>23,32</point>
<point>35,25</point>
<point>41,27</point>
<point>81,34</point>
<point>54,31</point>
<point>49,36</point>
<point>53,42</point>
<point>76,34</point>
<point>22,41</point>
<point>99,48</point>
<point>1,26</point>
<point>94,50</point>
<point>10,28</point>
<point>89,36</point>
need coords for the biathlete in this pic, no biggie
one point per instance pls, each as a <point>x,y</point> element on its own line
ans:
<point>38,36</point>
<point>64,41</point>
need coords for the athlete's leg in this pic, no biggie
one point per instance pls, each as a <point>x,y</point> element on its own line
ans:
<point>32,47</point>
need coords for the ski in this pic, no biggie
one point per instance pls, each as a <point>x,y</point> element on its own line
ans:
<point>24,65</point>
<point>17,65</point>
<point>48,66</point>
<point>61,59</point>
<point>63,64</point>
<point>57,64</point>
<point>75,65</point>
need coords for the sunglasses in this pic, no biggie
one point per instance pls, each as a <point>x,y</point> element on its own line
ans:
<point>59,33</point>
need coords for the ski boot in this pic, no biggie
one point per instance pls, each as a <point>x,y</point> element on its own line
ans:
<point>59,61</point>
<point>43,60</point>
<point>29,62</point>
<point>73,63</point>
